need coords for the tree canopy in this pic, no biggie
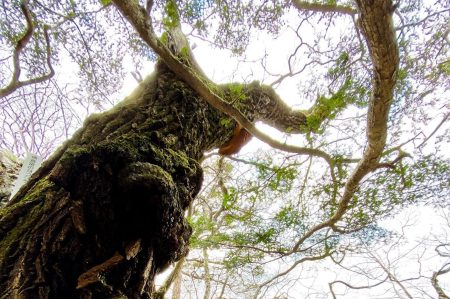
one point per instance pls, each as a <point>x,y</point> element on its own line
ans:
<point>363,138</point>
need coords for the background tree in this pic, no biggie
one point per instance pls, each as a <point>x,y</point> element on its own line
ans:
<point>113,195</point>
<point>246,234</point>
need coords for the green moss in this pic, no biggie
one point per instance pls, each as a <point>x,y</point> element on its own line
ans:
<point>326,108</point>
<point>147,173</point>
<point>226,122</point>
<point>164,38</point>
<point>233,92</point>
<point>37,191</point>
<point>23,225</point>
<point>184,53</point>
<point>179,158</point>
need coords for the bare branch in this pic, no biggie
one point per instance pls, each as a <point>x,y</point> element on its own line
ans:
<point>330,285</point>
<point>392,277</point>
<point>15,83</point>
<point>444,119</point>
<point>292,267</point>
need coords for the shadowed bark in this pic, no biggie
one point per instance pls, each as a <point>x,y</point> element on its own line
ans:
<point>106,212</point>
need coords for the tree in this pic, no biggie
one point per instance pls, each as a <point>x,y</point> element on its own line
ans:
<point>403,271</point>
<point>248,235</point>
<point>105,213</point>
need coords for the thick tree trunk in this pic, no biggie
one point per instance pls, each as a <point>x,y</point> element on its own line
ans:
<point>106,212</point>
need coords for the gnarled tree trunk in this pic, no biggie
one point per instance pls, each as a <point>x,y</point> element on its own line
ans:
<point>105,213</point>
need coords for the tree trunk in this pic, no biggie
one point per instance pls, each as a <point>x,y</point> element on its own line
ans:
<point>106,212</point>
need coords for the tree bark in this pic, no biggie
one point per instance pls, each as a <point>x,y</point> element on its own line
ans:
<point>105,213</point>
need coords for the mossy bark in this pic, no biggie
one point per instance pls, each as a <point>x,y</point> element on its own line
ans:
<point>106,212</point>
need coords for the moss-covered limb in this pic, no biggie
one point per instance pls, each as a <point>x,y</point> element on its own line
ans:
<point>326,108</point>
<point>141,21</point>
<point>261,103</point>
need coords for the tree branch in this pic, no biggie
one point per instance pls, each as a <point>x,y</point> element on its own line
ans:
<point>330,285</point>
<point>15,83</point>
<point>443,270</point>
<point>324,8</point>
<point>292,267</point>
<point>160,293</point>
<point>138,17</point>
<point>378,30</point>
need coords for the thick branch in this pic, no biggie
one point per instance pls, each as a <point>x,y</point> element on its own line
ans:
<point>324,8</point>
<point>138,17</point>
<point>377,27</point>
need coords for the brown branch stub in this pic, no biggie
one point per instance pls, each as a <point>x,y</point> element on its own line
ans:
<point>239,139</point>
<point>94,274</point>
